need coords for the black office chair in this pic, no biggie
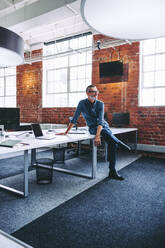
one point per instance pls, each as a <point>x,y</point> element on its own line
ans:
<point>24,128</point>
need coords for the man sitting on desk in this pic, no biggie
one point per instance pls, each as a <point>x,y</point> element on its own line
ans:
<point>93,112</point>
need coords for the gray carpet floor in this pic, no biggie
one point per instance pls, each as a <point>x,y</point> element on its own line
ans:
<point>17,212</point>
<point>111,214</point>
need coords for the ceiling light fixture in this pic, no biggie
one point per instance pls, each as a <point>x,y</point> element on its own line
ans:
<point>125,19</point>
<point>11,48</point>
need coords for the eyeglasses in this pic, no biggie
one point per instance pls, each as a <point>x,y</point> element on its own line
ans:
<point>94,91</point>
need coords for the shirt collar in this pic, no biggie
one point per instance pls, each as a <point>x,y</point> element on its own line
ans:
<point>91,104</point>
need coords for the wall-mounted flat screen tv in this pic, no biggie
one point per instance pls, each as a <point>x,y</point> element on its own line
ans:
<point>110,69</point>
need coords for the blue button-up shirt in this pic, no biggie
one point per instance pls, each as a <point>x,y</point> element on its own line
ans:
<point>93,114</point>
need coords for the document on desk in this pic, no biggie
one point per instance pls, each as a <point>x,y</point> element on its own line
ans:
<point>9,143</point>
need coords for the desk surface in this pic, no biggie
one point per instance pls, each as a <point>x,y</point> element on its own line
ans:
<point>120,130</point>
<point>59,139</point>
<point>34,143</point>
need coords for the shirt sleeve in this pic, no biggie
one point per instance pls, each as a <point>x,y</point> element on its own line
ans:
<point>77,113</point>
<point>100,119</point>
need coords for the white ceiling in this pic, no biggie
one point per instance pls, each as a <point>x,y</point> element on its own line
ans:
<point>38,21</point>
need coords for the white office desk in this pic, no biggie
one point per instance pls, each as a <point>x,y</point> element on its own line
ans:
<point>36,143</point>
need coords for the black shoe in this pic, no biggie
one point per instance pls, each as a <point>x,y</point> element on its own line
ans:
<point>115,175</point>
<point>124,146</point>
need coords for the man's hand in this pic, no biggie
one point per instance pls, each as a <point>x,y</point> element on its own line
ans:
<point>97,140</point>
<point>68,129</point>
<point>61,133</point>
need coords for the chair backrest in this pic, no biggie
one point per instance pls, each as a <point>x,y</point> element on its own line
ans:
<point>120,119</point>
<point>106,116</point>
<point>24,128</point>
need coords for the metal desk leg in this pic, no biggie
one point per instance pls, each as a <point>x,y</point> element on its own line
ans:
<point>75,173</point>
<point>15,191</point>
<point>26,163</point>
<point>94,159</point>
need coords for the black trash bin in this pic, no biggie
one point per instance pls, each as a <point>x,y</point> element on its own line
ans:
<point>59,155</point>
<point>44,174</point>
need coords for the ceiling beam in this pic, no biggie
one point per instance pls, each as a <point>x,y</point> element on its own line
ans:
<point>31,11</point>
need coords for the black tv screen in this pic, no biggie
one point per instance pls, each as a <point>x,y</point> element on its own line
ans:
<point>110,69</point>
<point>10,118</point>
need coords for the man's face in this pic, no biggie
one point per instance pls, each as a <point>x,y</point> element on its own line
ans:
<point>92,93</point>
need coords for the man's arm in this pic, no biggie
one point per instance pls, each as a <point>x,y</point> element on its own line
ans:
<point>74,120</point>
<point>97,137</point>
<point>67,130</point>
<point>69,127</point>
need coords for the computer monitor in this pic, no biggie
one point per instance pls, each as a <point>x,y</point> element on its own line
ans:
<point>120,119</point>
<point>10,118</point>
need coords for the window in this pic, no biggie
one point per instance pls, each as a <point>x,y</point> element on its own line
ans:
<point>8,87</point>
<point>152,72</point>
<point>67,69</point>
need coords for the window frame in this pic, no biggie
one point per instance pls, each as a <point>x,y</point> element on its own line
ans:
<point>154,71</point>
<point>68,68</point>
<point>5,94</point>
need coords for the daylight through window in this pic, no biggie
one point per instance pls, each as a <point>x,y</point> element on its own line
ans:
<point>67,68</point>
<point>152,72</point>
<point>8,87</point>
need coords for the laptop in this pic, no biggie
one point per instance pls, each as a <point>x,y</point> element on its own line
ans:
<point>39,134</point>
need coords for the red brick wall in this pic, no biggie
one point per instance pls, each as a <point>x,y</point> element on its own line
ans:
<point>59,115</point>
<point>123,97</point>
<point>29,91</point>
<point>29,97</point>
<point>118,97</point>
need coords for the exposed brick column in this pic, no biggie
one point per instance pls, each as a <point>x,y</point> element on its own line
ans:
<point>29,91</point>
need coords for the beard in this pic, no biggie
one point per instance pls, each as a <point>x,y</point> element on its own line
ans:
<point>93,97</point>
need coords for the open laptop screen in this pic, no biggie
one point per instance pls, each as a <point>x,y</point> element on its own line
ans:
<point>37,130</point>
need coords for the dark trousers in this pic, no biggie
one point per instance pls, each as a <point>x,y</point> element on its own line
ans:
<point>112,142</point>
